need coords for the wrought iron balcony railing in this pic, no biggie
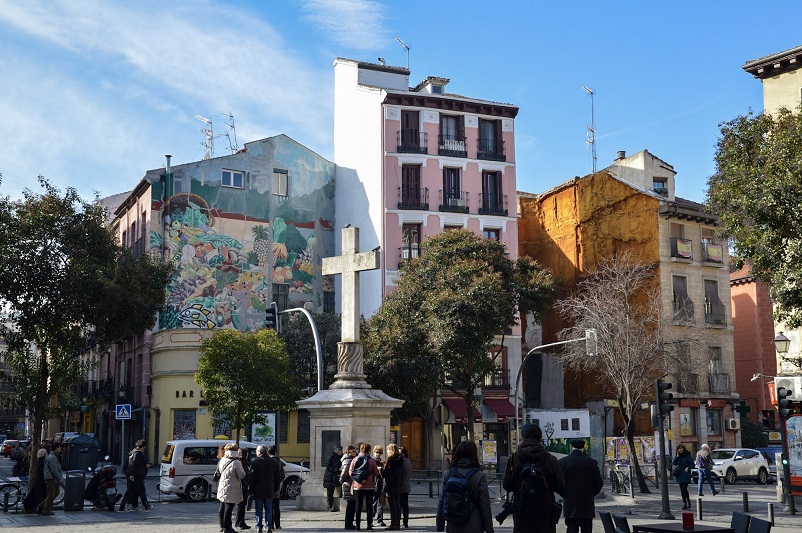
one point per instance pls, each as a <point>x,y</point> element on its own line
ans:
<point>413,142</point>
<point>138,248</point>
<point>499,379</point>
<point>493,204</point>
<point>712,253</point>
<point>454,202</point>
<point>719,383</point>
<point>682,248</point>
<point>451,145</point>
<point>410,198</point>
<point>715,313</point>
<point>683,309</point>
<point>490,149</point>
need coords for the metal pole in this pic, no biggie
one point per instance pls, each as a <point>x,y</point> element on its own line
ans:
<point>122,443</point>
<point>771,513</point>
<point>746,501</point>
<point>790,507</point>
<point>665,513</point>
<point>318,348</point>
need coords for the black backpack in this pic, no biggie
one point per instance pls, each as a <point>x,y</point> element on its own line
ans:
<point>457,500</point>
<point>361,470</point>
<point>129,469</point>
<point>534,499</point>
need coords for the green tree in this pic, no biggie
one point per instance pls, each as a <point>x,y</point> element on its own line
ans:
<point>752,434</point>
<point>297,336</point>
<point>449,306</point>
<point>755,192</point>
<point>244,374</point>
<point>65,284</point>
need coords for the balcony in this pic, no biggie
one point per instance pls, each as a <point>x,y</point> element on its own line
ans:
<point>719,383</point>
<point>683,309</point>
<point>493,204</point>
<point>409,198</point>
<point>454,202</point>
<point>714,313</point>
<point>498,379</point>
<point>138,248</point>
<point>681,248</point>
<point>408,252</point>
<point>452,146</point>
<point>413,142</point>
<point>490,149</point>
<point>713,253</point>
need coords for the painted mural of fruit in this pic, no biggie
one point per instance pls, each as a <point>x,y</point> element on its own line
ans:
<point>279,250</point>
<point>261,244</point>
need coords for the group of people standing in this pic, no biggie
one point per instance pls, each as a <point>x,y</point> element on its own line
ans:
<point>369,483</point>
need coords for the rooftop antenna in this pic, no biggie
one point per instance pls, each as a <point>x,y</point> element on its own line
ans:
<point>208,144</point>
<point>406,47</point>
<point>591,135</point>
<point>234,147</point>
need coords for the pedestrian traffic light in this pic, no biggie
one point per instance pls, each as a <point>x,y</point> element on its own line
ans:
<point>271,316</point>
<point>768,418</point>
<point>664,397</point>
<point>784,404</point>
<point>784,459</point>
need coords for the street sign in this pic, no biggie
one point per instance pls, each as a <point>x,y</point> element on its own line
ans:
<point>123,411</point>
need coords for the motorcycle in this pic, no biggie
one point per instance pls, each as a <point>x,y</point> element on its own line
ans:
<point>102,487</point>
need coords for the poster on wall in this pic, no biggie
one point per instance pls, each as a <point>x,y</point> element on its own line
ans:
<point>618,451</point>
<point>265,433</point>
<point>221,426</point>
<point>489,456</point>
<point>184,424</point>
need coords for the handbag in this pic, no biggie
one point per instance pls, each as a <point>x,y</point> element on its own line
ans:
<point>675,471</point>
<point>218,474</point>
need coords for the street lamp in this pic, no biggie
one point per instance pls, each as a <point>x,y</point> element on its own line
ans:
<point>318,347</point>
<point>781,344</point>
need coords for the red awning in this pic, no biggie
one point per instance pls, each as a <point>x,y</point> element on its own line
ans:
<point>502,407</point>
<point>457,406</point>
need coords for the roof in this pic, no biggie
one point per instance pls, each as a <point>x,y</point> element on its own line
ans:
<point>742,275</point>
<point>374,66</point>
<point>774,64</point>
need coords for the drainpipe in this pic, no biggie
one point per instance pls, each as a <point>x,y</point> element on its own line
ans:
<point>167,179</point>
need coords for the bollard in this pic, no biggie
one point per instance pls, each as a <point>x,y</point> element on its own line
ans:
<point>699,509</point>
<point>771,513</point>
<point>746,502</point>
<point>431,490</point>
<point>5,502</point>
<point>721,484</point>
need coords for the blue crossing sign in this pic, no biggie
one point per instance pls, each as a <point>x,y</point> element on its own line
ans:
<point>123,411</point>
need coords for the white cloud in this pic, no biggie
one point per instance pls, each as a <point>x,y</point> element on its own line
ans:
<point>354,24</point>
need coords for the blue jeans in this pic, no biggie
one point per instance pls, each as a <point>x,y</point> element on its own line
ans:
<point>265,504</point>
<point>706,474</point>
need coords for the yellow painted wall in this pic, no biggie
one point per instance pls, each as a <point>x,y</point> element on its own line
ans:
<point>784,90</point>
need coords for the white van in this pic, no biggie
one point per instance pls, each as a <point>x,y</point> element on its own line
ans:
<point>188,466</point>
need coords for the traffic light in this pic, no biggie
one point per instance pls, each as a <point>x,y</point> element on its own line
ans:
<point>664,398</point>
<point>768,418</point>
<point>784,404</point>
<point>271,317</point>
<point>784,460</point>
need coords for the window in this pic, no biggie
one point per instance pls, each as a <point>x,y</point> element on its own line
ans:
<point>410,186</point>
<point>714,353</point>
<point>453,197</point>
<point>680,246</point>
<point>713,421</point>
<point>450,227</point>
<point>492,233</point>
<point>283,425</point>
<point>328,302</point>
<point>708,235</point>
<point>280,182</point>
<point>410,242</point>
<point>490,145</point>
<point>437,89</point>
<point>683,306</point>
<point>493,202</point>
<point>574,424</point>
<point>233,178</point>
<point>711,250</point>
<point>303,425</point>
<point>687,422</point>
<point>200,455</point>
<point>281,294</point>
<point>660,186</point>
<point>564,424</point>
<point>714,307</point>
<point>452,138</point>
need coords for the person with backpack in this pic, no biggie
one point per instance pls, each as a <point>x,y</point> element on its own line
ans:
<point>464,505</point>
<point>704,468</point>
<point>533,475</point>
<point>345,480</point>
<point>330,475</point>
<point>582,483</point>
<point>364,472</point>
<point>135,473</point>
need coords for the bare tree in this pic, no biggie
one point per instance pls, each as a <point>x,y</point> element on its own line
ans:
<point>620,299</point>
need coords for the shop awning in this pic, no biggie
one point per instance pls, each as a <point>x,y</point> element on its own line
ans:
<point>457,406</point>
<point>502,407</point>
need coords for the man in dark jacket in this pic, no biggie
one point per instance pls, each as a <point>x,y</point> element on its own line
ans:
<point>265,482</point>
<point>332,475</point>
<point>136,472</point>
<point>531,451</point>
<point>582,483</point>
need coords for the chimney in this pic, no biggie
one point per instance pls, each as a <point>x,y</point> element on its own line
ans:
<point>168,157</point>
<point>622,154</point>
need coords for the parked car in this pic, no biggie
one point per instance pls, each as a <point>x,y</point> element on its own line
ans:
<point>8,445</point>
<point>188,465</point>
<point>735,464</point>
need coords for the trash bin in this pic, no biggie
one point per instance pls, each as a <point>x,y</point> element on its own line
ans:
<point>74,490</point>
<point>80,452</point>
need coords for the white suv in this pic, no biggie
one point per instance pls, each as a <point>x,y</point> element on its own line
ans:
<point>739,463</point>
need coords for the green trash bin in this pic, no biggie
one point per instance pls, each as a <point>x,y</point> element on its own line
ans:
<point>74,490</point>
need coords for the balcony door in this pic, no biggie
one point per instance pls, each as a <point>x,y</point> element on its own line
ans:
<point>410,128</point>
<point>410,184</point>
<point>410,241</point>
<point>491,189</point>
<point>451,187</point>
<point>488,135</point>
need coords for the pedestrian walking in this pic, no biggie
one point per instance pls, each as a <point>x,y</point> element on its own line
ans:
<point>378,495</point>
<point>272,450</point>
<point>331,475</point>
<point>265,481</point>
<point>683,463</point>
<point>533,475</point>
<point>704,468</point>
<point>136,472</point>
<point>38,491</point>
<point>239,521</point>
<point>393,477</point>
<point>464,481</point>
<point>229,486</point>
<point>53,477</point>
<point>364,472</point>
<point>406,486</point>
<point>345,480</point>
<point>583,482</point>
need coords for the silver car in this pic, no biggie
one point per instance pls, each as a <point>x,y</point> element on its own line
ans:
<point>735,464</point>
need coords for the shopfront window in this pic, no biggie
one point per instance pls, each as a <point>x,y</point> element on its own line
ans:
<point>714,421</point>
<point>687,423</point>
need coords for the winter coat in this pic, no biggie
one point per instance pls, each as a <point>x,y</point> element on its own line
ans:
<point>481,519</point>
<point>265,478</point>
<point>703,461</point>
<point>139,467</point>
<point>685,463</point>
<point>229,488</point>
<point>393,474</point>
<point>406,479</point>
<point>53,469</point>
<point>332,469</point>
<point>345,479</point>
<point>531,451</point>
<point>39,491</point>
<point>370,482</point>
<point>582,483</point>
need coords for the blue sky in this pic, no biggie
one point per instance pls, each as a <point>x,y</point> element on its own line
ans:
<point>94,93</point>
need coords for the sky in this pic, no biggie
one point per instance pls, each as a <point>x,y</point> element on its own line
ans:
<point>95,93</point>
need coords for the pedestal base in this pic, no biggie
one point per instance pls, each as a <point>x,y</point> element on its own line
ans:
<point>315,503</point>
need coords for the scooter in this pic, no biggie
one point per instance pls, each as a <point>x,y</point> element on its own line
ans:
<point>102,488</point>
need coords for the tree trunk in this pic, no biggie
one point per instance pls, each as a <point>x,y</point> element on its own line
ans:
<point>633,457</point>
<point>39,409</point>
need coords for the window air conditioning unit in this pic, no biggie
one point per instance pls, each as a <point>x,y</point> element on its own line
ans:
<point>792,383</point>
<point>733,424</point>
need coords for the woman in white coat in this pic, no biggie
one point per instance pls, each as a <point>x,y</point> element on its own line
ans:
<point>229,488</point>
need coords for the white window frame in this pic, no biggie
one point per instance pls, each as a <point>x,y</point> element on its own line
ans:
<point>231,181</point>
<point>281,182</point>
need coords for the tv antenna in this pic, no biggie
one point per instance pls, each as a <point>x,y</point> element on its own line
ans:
<point>406,47</point>
<point>234,147</point>
<point>208,144</point>
<point>591,134</point>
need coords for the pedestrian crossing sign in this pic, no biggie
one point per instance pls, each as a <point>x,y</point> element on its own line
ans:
<point>123,411</point>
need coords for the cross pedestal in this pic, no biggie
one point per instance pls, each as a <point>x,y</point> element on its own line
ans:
<point>350,411</point>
